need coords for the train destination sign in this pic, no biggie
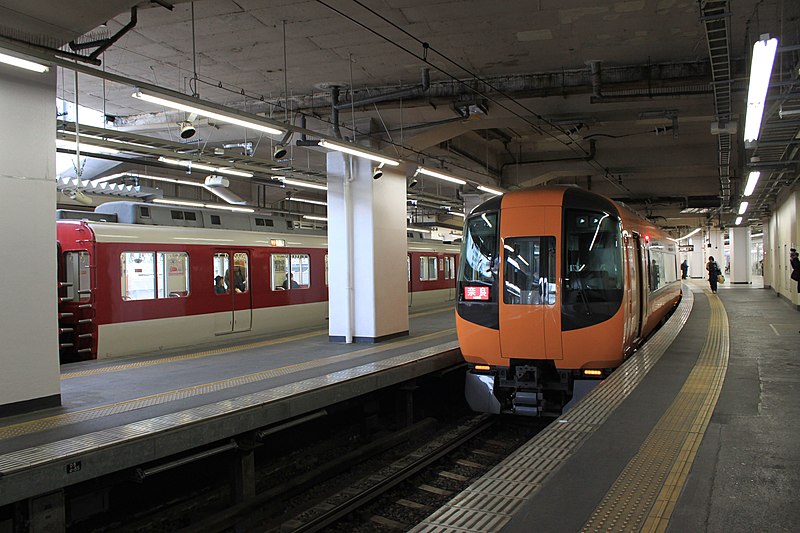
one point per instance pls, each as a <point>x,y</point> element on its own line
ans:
<point>476,293</point>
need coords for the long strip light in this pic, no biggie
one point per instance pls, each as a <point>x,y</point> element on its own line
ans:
<point>84,147</point>
<point>313,217</point>
<point>300,183</point>
<point>484,188</point>
<point>457,214</point>
<point>738,220</point>
<point>200,166</point>
<point>418,229</point>
<point>689,234</point>
<point>743,207</point>
<point>307,201</point>
<point>752,179</point>
<point>760,74</point>
<point>204,110</point>
<point>184,203</point>
<point>23,63</point>
<point>360,153</point>
<point>439,175</point>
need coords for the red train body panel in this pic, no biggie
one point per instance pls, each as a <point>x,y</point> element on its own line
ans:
<point>112,305</point>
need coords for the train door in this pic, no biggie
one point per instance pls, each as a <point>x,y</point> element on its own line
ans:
<point>232,283</point>
<point>633,255</point>
<point>529,315</point>
<point>641,283</point>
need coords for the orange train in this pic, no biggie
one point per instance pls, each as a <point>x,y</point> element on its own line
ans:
<point>556,284</point>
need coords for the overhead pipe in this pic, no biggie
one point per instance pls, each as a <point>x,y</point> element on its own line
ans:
<point>594,68</point>
<point>411,92</point>
<point>105,44</point>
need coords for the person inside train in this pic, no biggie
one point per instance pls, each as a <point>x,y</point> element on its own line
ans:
<point>713,273</point>
<point>684,268</point>
<point>290,283</point>
<point>239,281</point>
<point>219,285</point>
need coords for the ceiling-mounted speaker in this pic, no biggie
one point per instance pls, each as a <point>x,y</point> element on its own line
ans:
<point>377,173</point>
<point>187,130</point>
<point>412,182</point>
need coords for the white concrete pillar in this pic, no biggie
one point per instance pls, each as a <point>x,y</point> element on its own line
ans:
<point>767,266</point>
<point>28,336</point>
<point>697,257</point>
<point>368,289</point>
<point>741,261</point>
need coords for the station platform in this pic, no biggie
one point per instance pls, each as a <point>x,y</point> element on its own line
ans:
<point>697,431</point>
<point>122,413</point>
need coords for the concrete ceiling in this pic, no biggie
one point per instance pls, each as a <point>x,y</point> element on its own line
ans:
<point>513,100</point>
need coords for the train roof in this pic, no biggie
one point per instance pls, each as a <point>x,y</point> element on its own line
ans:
<point>110,232</point>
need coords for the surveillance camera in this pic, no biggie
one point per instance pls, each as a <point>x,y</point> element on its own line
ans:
<point>377,173</point>
<point>279,153</point>
<point>187,130</point>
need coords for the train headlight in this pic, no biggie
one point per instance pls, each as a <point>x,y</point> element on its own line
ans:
<point>592,372</point>
<point>482,368</point>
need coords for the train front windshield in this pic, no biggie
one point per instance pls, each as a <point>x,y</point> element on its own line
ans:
<point>593,278</point>
<point>477,272</point>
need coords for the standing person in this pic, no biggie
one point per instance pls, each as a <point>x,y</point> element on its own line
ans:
<point>684,268</point>
<point>794,261</point>
<point>713,273</point>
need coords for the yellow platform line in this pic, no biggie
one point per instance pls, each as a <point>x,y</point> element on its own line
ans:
<point>207,353</point>
<point>64,419</point>
<point>644,495</point>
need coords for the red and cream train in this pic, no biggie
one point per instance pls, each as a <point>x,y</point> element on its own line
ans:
<point>555,284</point>
<point>141,287</point>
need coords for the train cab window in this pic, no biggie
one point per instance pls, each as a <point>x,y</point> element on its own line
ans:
<point>290,271</point>
<point>221,273</point>
<point>478,264</point>
<point>428,268</point>
<point>173,274</point>
<point>592,277</point>
<point>76,265</point>
<point>138,275</point>
<point>529,270</point>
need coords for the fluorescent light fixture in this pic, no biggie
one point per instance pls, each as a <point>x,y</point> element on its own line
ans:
<point>484,188</point>
<point>307,201</point>
<point>89,148</point>
<point>743,207</point>
<point>760,74</point>
<point>752,179</point>
<point>230,208</point>
<point>312,217</point>
<point>456,213</point>
<point>200,166</point>
<point>418,229</point>
<point>754,235</point>
<point>360,153</point>
<point>23,63</point>
<point>738,220</point>
<point>299,183</point>
<point>200,108</point>
<point>689,234</point>
<point>439,175</point>
<point>177,202</point>
<point>185,203</point>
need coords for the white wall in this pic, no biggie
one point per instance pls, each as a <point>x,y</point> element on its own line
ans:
<point>783,232</point>
<point>28,323</point>
<point>740,244</point>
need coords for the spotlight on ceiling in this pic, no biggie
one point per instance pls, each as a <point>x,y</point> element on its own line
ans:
<point>412,182</point>
<point>377,172</point>
<point>279,153</point>
<point>79,196</point>
<point>187,130</point>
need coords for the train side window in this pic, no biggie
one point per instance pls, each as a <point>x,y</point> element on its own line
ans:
<point>428,268</point>
<point>241,272</point>
<point>221,267</point>
<point>528,276</point>
<point>77,275</point>
<point>326,270</point>
<point>215,220</point>
<point>290,271</point>
<point>452,261</point>
<point>138,273</point>
<point>408,265</point>
<point>176,215</point>
<point>173,274</point>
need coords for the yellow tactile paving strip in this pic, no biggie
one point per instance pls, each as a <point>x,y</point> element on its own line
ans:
<point>644,495</point>
<point>207,353</point>
<point>93,413</point>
